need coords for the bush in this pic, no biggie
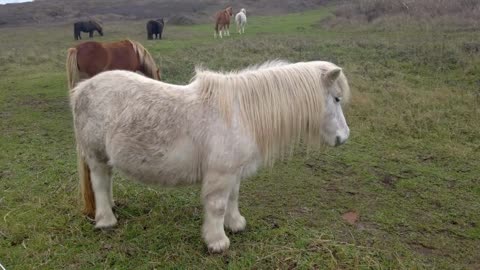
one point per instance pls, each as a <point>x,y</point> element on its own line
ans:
<point>463,12</point>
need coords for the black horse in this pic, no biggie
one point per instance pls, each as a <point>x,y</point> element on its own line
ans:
<point>86,26</point>
<point>155,27</point>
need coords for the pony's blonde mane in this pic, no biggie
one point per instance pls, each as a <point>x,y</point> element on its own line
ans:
<point>146,60</point>
<point>278,102</point>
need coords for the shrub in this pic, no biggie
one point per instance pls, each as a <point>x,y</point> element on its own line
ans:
<point>457,12</point>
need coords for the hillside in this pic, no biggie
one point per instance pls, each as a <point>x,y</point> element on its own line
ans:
<point>57,11</point>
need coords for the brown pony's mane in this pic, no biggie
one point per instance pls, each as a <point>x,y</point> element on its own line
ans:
<point>150,69</point>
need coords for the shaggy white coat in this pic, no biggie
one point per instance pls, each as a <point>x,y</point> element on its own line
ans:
<point>216,130</point>
<point>241,21</point>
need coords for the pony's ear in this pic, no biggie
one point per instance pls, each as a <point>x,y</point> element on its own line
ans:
<point>332,75</point>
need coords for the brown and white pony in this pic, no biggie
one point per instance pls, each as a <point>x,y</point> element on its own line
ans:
<point>90,58</point>
<point>222,22</point>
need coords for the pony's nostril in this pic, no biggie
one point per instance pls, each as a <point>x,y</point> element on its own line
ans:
<point>338,141</point>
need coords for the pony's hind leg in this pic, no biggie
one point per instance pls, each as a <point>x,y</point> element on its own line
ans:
<point>102,190</point>
<point>233,219</point>
<point>215,193</point>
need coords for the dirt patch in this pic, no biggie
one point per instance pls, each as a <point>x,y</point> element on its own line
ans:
<point>422,248</point>
<point>6,174</point>
<point>389,180</point>
<point>426,158</point>
<point>367,226</point>
<point>351,217</point>
<point>272,221</point>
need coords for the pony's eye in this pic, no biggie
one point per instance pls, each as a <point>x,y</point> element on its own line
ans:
<point>337,99</point>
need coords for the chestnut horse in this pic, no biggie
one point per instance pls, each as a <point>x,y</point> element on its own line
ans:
<point>222,22</point>
<point>90,58</point>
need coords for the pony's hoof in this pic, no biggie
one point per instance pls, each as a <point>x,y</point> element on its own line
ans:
<point>219,245</point>
<point>236,224</point>
<point>105,222</point>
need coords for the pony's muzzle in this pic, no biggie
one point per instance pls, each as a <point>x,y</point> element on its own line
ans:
<point>342,137</point>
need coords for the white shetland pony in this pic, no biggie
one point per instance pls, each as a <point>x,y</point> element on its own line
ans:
<point>241,20</point>
<point>217,130</point>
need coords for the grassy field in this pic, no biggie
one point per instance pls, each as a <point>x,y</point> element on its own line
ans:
<point>410,169</point>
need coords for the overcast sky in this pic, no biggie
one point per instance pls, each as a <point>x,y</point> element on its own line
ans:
<point>13,1</point>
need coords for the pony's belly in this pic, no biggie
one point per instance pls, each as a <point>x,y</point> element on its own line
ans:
<point>180,164</point>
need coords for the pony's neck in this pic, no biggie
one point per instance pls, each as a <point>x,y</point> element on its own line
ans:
<point>278,105</point>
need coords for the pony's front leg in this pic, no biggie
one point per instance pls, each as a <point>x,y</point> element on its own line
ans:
<point>110,195</point>
<point>102,190</point>
<point>90,34</point>
<point>233,219</point>
<point>215,193</point>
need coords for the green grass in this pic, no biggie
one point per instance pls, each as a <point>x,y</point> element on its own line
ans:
<point>410,168</point>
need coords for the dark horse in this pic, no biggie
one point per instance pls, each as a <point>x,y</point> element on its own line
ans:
<point>86,26</point>
<point>155,29</point>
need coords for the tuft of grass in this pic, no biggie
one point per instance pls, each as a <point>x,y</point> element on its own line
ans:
<point>410,168</point>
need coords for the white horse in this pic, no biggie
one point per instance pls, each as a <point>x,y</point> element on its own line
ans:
<point>241,20</point>
<point>217,130</point>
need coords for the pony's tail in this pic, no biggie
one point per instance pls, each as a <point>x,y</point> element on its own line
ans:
<point>84,175</point>
<point>86,185</point>
<point>149,67</point>
<point>73,74</point>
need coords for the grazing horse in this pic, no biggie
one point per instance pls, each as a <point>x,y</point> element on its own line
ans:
<point>155,29</point>
<point>222,22</point>
<point>86,26</point>
<point>241,20</point>
<point>90,58</point>
<point>217,130</point>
